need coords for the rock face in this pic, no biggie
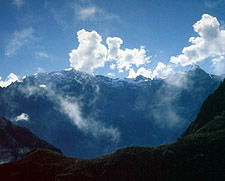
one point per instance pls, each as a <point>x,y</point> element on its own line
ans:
<point>87,116</point>
<point>16,141</point>
<point>197,155</point>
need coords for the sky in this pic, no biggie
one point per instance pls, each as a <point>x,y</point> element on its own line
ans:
<point>115,38</point>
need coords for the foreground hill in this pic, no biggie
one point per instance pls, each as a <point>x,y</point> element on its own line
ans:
<point>16,141</point>
<point>197,155</point>
<point>88,116</point>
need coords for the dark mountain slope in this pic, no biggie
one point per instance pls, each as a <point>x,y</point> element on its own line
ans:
<point>195,157</point>
<point>16,141</point>
<point>198,155</point>
<point>213,106</point>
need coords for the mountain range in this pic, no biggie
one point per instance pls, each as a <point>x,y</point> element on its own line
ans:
<point>197,155</point>
<point>87,116</point>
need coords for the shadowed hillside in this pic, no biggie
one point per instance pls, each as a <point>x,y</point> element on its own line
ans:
<point>197,155</point>
<point>16,141</point>
<point>211,112</point>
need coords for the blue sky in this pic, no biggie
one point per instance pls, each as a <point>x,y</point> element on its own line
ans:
<point>117,38</point>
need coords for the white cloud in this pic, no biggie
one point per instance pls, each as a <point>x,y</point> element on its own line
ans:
<point>111,74</point>
<point>19,39</point>
<point>112,66</point>
<point>68,69</point>
<point>22,117</point>
<point>161,70</point>
<point>72,108</point>
<point>129,57</point>
<point>209,44</point>
<point>90,53</point>
<point>141,71</point>
<point>10,79</point>
<point>218,65</point>
<point>87,12</point>
<point>125,58</point>
<point>43,86</point>
<point>113,48</point>
<point>92,12</point>
<point>18,3</point>
<point>97,129</point>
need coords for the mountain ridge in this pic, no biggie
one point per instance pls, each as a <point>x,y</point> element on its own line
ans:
<point>82,108</point>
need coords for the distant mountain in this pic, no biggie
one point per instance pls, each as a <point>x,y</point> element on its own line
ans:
<point>197,155</point>
<point>78,112</point>
<point>16,141</point>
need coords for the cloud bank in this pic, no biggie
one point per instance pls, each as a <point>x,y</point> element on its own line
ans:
<point>92,54</point>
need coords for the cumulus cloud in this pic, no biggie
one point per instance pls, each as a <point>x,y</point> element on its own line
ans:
<point>129,57</point>
<point>209,44</point>
<point>141,71</point>
<point>18,3</point>
<point>161,70</point>
<point>10,79</point>
<point>22,117</point>
<point>19,39</point>
<point>125,58</point>
<point>92,54</point>
<point>113,47</point>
